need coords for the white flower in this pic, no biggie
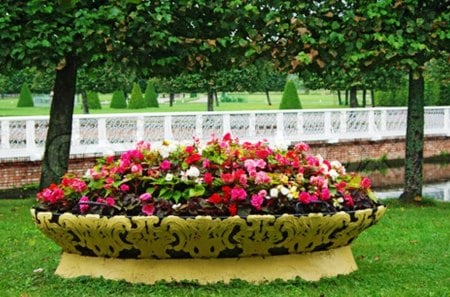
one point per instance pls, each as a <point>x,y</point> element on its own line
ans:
<point>333,174</point>
<point>193,172</point>
<point>284,191</point>
<point>274,192</point>
<point>176,206</point>
<point>169,177</point>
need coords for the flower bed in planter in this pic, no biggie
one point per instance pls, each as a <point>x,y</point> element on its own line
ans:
<point>229,209</point>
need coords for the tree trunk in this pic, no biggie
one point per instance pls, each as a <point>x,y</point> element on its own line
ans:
<point>372,97</point>
<point>171,99</point>
<point>364,98</point>
<point>353,98</point>
<point>216,98</point>
<point>84,101</point>
<point>57,145</point>
<point>210,103</point>
<point>414,141</point>
<point>339,97</point>
<point>268,98</point>
<point>346,97</point>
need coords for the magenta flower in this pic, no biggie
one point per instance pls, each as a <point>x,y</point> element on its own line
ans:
<point>148,209</point>
<point>365,183</point>
<point>165,165</point>
<point>257,201</point>
<point>84,207</point>
<point>124,188</point>
<point>110,201</point>
<point>305,198</point>
<point>238,194</point>
<point>145,197</point>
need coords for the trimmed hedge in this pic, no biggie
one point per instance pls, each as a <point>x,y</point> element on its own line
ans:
<point>136,99</point>
<point>93,100</point>
<point>25,99</point>
<point>150,96</point>
<point>290,99</point>
<point>118,100</point>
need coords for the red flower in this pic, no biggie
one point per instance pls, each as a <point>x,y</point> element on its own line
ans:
<point>227,178</point>
<point>215,198</point>
<point>304,197</point>
<point>232,208</point>
<point>193,158</point>
<point>189,149</point>
<point>208,178</point>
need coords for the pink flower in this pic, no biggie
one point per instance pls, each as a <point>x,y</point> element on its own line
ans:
<point>165,165</point>
<point>124,187</point>
<point>84,207</point>
<point>148,209</point>
<point>304,197</point>
<point>365,183</point>
<point>301,147</point>
<point>238,194</point>
<point>257,201</point>
<point>110,201</point>
<point>261,178</point>
<point>325,194</point>
<point>136,168</point>
<point>206,163</point>
<point>145,197</point>
<point>349,200</point>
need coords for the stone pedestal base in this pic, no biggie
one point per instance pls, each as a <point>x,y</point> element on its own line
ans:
<point>308,266</point>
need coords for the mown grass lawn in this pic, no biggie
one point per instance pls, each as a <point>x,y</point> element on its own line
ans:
<point>253,101</point>
<point>406,254</point>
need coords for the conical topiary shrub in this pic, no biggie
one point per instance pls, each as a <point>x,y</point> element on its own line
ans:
<point>150,96</point>
<point>118,100</point>
<point>93,100</point>
<point>290,99</point>
<point>25,99</point>
<point>136,99</point>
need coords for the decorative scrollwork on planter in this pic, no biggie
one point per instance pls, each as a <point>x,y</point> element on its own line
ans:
<point>203,236</point>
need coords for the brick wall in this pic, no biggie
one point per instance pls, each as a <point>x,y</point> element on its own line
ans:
<point>16,174</point>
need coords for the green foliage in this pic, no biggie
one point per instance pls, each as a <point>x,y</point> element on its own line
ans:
<point>392,97</point>
<point>136,100</point>
<point>93,100</point>
<point>290,99</point>
<point>25,99</point>
<point>118,100</point>
<point>150,96</point>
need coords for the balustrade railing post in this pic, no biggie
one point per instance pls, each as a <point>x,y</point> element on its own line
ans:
<point>168,135</point>
<point>140,128</point>
<point>447,120</point>
<point>31,140</point>
<point>372,131</point>
<point>5,135</point>
<point>327,127</point>
<point>75,132</point>
<point>226,122</point>
<point>280,127</point>
<point>383,122</point>
<point>199,126</point>
<point>252,125</point>
<point>102,136</point>
<point>300,122</point>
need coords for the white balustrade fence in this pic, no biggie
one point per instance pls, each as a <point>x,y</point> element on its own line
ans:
<point>24,137</point>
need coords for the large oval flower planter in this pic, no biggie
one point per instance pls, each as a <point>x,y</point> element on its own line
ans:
<point>206,249</point>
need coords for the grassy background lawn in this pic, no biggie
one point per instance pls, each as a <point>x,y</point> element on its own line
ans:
<point>253,101</point>
<point>406,254</point>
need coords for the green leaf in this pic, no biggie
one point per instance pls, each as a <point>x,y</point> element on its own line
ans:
<point>197,191</point>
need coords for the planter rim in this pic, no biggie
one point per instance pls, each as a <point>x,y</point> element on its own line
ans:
<point>36,211</point>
